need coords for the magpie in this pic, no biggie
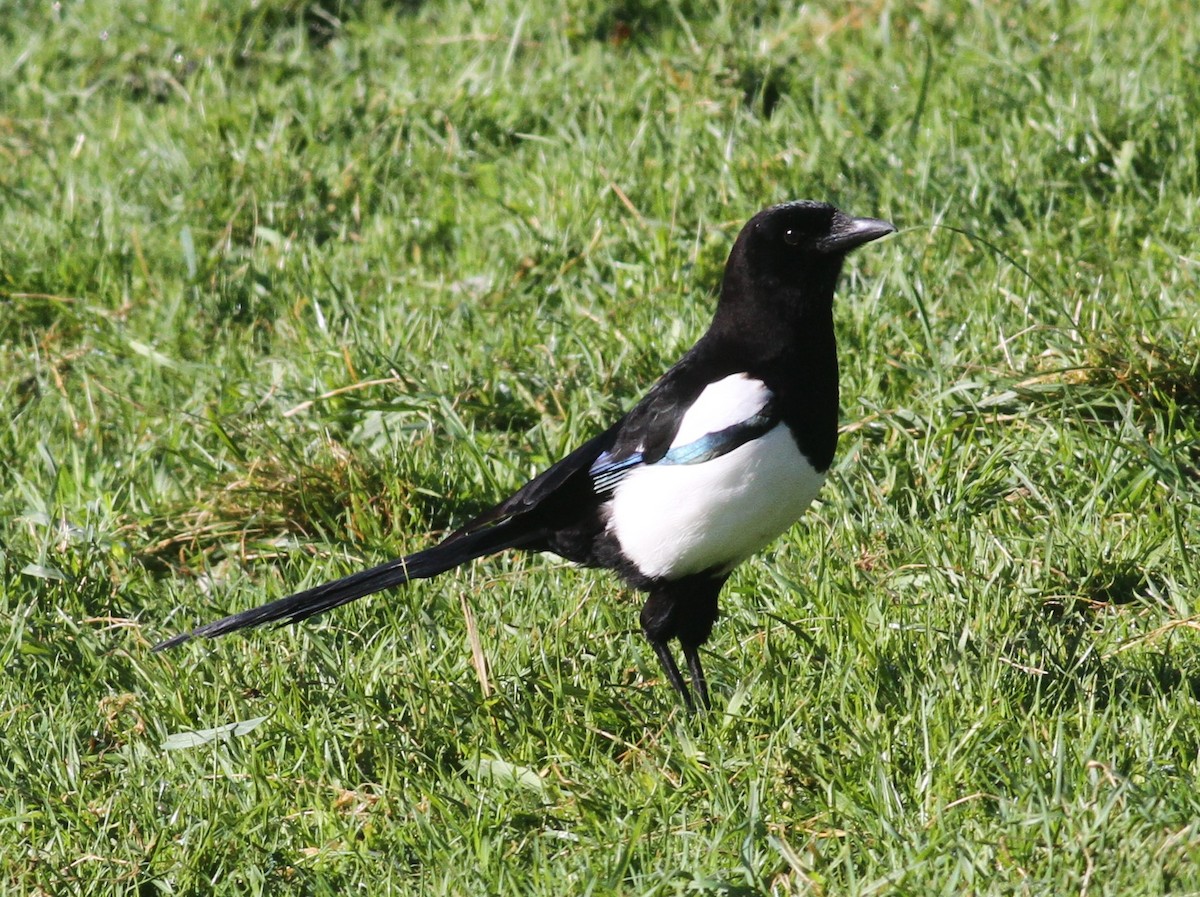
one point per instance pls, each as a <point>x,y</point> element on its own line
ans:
<point>720,457</point>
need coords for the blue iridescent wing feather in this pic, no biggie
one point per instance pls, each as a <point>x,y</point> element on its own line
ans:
<point>609,469</point>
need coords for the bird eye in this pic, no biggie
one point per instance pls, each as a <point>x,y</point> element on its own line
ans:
<point>791,236</point>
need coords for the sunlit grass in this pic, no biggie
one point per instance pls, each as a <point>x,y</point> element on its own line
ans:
<point>288,289</point>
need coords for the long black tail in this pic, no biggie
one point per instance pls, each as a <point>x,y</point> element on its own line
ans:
<point>456,550</point>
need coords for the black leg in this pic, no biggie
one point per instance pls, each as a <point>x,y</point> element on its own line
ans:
<point>683,609</point>
<point>663,650</point>
<point>691,653</point>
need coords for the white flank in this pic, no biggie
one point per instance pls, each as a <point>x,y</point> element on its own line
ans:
<point>729,401</point>
<point>673,520</point>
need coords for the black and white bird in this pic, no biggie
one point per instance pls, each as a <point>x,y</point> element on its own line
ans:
<point>723,454</point>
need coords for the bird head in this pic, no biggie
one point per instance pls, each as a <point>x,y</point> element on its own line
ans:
<point>788,257</point>
<point>796,236</point>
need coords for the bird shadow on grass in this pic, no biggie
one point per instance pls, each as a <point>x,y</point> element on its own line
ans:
<point>1067,666</point>
<point>1060,658</point>
<point>322,21</point>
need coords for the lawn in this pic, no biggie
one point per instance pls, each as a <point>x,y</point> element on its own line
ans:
<point>290,288</point>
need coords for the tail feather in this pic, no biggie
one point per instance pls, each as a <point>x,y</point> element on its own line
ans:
<point>454,551</point>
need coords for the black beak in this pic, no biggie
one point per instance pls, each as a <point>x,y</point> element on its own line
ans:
<point>849,233</point>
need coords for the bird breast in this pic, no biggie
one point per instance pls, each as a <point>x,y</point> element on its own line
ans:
<point>678,520</point>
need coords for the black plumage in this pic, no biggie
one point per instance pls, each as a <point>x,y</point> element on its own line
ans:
<point>703,443</point>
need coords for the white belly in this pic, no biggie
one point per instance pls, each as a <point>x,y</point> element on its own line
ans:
<point>676,520</point>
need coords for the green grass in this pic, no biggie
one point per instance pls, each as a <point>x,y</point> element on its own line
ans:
<point>287,289</point>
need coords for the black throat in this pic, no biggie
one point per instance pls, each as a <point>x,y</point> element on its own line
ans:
<point>782,333</point>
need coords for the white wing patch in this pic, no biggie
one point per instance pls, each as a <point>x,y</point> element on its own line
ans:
<point>676,520</point>
<point>722,404</point>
